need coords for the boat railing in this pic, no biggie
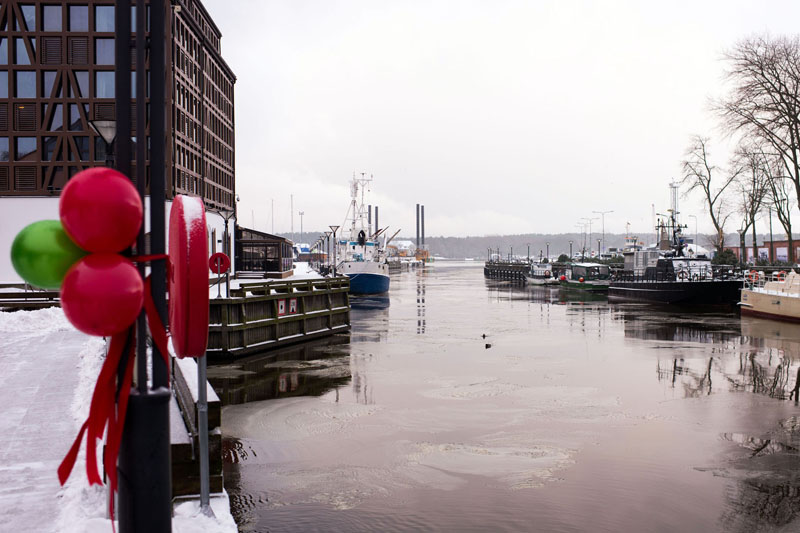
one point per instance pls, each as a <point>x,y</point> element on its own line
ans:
<point>757,279</point>
<point>715,273</point>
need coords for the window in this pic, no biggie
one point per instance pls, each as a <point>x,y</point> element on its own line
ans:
<point>104,84</point>
<point>82,78</point>
<point>57,122</point>
<point>83,147</point>
<point>4,149</point>
<point>3,84</point>
<point>48,147</point>
<point>78,18</point>
<point>21,53</point>
<point>104,51</point>
<point>25,146</point>
<point>29,12</point>
<point>48,79</point>
<point>51,18</point>
<point>25,84</point>
<point>104,18</point>
<point>75,122</point>
<point>99,149</point>
<point>3,51</point>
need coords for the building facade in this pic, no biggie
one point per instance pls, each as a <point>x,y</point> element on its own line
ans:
<point>57,77</point>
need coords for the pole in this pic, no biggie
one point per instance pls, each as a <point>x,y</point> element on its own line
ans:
<point>548,251</point>
<point>603,216</point>
<point>301,213</point>
<point>771,243</point>
<point>145,491</point>
<point>570,251</point>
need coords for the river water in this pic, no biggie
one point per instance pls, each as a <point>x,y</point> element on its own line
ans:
<point>463,404</point>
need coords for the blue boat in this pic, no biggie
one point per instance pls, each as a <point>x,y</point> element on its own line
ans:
<point>363,257</point>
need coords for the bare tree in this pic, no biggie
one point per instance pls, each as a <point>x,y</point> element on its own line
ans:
<point>764,99</point>
<point>780,197</point>
<point>700,174</point>
<point>753,186</point>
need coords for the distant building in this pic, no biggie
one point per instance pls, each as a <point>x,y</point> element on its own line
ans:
<point>263,255</point>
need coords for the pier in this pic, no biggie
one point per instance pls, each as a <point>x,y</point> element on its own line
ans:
<point>513,270</point>
<point>264,315</point>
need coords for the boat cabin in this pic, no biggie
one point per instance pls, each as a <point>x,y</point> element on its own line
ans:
<point>541,270</point>
<point>588,271</point>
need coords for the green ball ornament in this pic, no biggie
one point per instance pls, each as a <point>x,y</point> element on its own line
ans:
<point>43,252</point>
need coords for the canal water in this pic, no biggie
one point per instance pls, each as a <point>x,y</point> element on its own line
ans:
<point>462,404</point>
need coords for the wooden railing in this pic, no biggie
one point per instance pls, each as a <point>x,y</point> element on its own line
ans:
<point>259,316</point>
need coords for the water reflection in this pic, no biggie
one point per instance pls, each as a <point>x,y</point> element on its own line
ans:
<point>421,321</point>
<point>309,369</point>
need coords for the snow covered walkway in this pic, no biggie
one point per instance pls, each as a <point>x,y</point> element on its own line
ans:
<point>47,375</point>
<point>39,373</point>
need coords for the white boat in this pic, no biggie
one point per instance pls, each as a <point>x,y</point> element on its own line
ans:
<point>541,274</point>
<point>362,257</point>
<point>774,296</point>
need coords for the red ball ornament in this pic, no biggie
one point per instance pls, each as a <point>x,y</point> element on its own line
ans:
<point>101,210</point>
<point>102,294</point>
<point>563,277</point>
<point>581,280</point>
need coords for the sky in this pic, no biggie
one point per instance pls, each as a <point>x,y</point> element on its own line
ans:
<point>501,117</point>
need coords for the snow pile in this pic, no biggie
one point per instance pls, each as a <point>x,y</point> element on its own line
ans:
<point>187,517</point>
<point>42,321</point>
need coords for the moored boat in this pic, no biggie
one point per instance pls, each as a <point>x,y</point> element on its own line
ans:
<point>774,296</point>
<point>668,276</point>
<point>593,277</point>
<point>541,274</point>
<point>363,257</point>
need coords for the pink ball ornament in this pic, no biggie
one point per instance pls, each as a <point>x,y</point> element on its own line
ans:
<point>101,210</point>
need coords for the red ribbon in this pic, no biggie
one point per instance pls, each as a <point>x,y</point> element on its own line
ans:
<point>101,409</point>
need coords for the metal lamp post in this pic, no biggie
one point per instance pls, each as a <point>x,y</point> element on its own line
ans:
<point>570,251</point>
<point>589,221</point>
<point>547,245</point>
<point>107,130</point>
<point>301,213</point>
<point>333,229</point>
<point>603,219</point>
<point>328,255</point>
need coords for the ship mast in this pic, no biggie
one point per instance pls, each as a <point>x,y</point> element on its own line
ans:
<point>358,209</point>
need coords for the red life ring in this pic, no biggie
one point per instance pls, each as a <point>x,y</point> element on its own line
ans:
<point>753,276</point>
<point>547,273</point>
<point>781,275</point>
<point>188,277</point>
<point>219,263</point>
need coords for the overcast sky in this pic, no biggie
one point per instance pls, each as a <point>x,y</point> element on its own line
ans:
<point>500,116</point>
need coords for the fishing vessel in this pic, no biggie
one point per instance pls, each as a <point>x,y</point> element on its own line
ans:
<point>362,258</point>
<point>541,274</point>
<point>667,275</point>
<point>593,277</point>
<point>775,296</point>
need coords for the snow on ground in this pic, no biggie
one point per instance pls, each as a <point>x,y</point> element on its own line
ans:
<point>43,357</point>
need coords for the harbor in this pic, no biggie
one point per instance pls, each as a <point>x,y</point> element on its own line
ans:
<point>407,266</point>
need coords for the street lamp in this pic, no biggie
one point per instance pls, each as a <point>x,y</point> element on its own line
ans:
<point>107,130</point>
<point>570,251</point>
<point>226,215</point>
<point>589,221</point>
<point>328,255</point>
<point>333,229</point>
<point>603,217</point>
<point>548,251</point>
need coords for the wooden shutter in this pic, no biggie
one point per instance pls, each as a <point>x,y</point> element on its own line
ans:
<point>5,184</point>
<point>78,50</point>
<point>104,112</point>
<point>4,117</point>
<point>51,51</point>
<point>25,117</point>
<point>25,178</point>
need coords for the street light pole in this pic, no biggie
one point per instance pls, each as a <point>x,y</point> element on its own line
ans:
<point>695,233</point>
<point>548,251</point>
<point>570,251</point>
<point>301,213</point>
<point>589,220</point>
<point>603,217</point>
<point>335,259</point>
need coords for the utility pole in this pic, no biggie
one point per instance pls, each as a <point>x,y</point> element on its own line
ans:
<point>603,217</point>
